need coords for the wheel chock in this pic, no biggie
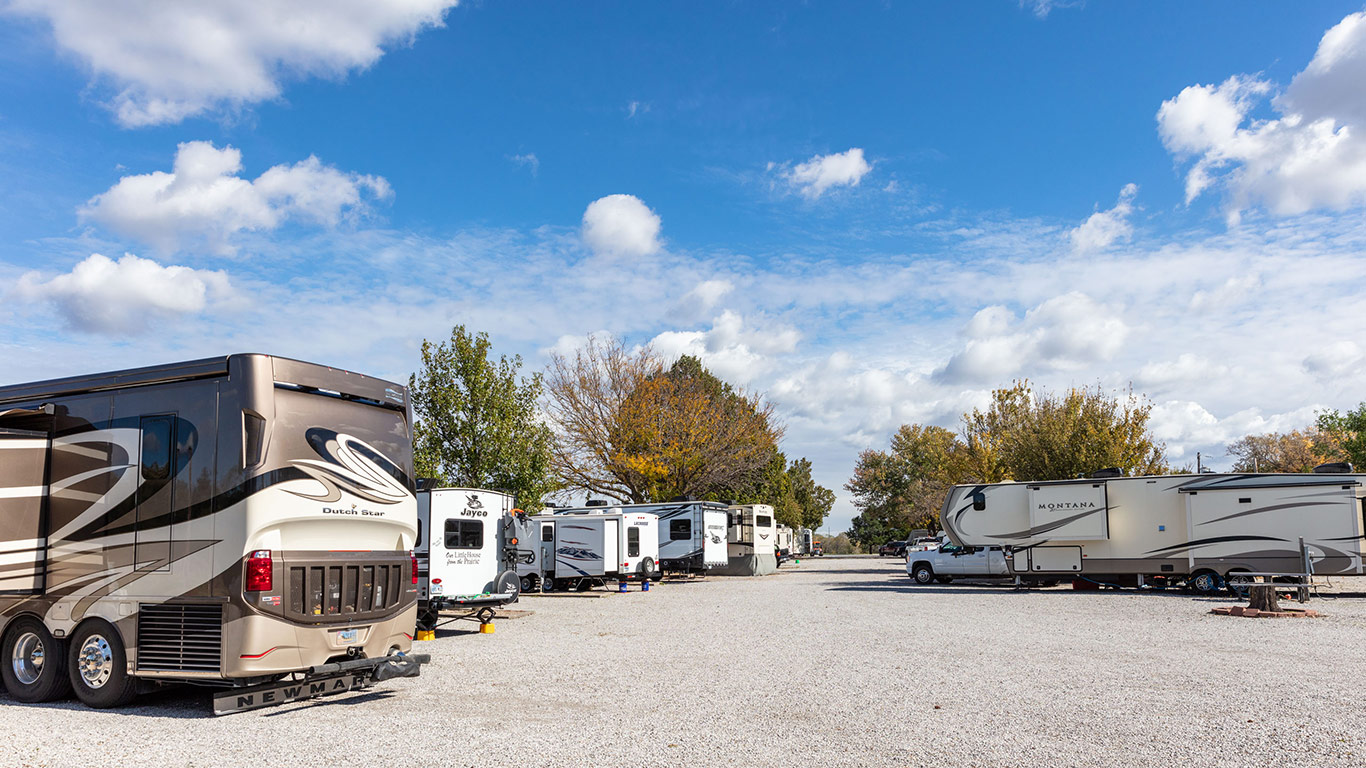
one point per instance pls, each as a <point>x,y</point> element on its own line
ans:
<point>426,634</point>
<point>486,628</point>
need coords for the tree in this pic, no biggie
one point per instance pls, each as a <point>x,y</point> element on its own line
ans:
<point>813,500</point>
<point>903,488</point>
<point>1342,436</point>
<point>1025,435</point>
<point>797,501</point>
<point>631,430</point>
<point>1276,452</point>
<point>477,423</point>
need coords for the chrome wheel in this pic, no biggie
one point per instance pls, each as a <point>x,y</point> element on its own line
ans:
<point>95,661</point>
<point>27,658</point>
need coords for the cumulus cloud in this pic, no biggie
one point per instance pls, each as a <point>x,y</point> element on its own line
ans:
<point>1065,332</point>
<point>1311,156</point>
<point>204,201</point>
<point>817,175</point>
<point>1104,228</point>
<point>1187,368</point>
<point>101,295</point>
<point>735,349</point>
<point>708,292</point>
<point>164,61</point>
<point>621,225</point>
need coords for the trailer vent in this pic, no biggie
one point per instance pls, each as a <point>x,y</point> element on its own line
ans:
<point>186,637</point>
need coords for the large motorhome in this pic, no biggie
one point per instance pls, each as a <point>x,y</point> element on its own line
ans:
<point>750,541</point>
<point>229,522</point>
<point>1195,529</point>
<point>461,558</point>
<point>585,546</point>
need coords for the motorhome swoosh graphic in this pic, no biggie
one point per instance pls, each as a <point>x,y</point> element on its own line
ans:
<point>351,465</point>
<point>1272,508</point>
<point>1053,526</point>
<point>1168,551</point>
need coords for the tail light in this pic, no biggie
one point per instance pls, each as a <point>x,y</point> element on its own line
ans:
<point>414,557</point>
<point>259,568</point>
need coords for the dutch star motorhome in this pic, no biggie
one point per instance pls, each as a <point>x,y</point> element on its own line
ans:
<point>751,541</point>
<point>1195,529</point>
<point>461,563</point>
<point>231,521</point>
<point>585,546</point>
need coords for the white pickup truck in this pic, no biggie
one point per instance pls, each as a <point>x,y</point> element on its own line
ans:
<point>950,561</point>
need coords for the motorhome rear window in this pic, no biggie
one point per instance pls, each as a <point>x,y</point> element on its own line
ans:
<point>680,530</point>
<point>464,534</point>
<point>633,542</point>
<point>763,521</point>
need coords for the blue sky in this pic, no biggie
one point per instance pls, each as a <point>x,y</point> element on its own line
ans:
<point>874,212</point>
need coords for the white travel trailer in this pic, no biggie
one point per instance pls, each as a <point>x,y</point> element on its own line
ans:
<point>244,522</point>
<point>692,534</point>
<point>1196,529</point>
<point>786,543</point>
<point>579,548</point>
<point>805,537</point>
<point>752,535</point>
<point>461,562</point>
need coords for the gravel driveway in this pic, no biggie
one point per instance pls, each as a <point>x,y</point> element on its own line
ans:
<point>836,662</point>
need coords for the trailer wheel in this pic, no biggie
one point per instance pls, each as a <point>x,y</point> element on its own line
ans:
<point>98,666</point>
<point>528,583</point>
<point>922,573</point>
<point>34,666</point>
<point>1203,583</point>
<point>1237,584</point>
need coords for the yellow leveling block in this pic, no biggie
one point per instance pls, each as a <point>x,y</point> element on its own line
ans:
<point>486,629</point>
<point>426,634</point>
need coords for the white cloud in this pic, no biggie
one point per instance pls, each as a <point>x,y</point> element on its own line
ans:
<point>104,296</point>
<point>817,175</point>
<point>1312,156</point>
<point>204,201</point>
<point>165,61</point>
<point>1338,360</point>
<point>1066,332</point>
<point>1186,369</point>
<point>528,161</point>
<point>1104,228</point>
<point>708,292</point>
<point>621,225</point>
<point>636,108</point>
<point>734,349</point>
<point>1041,8</point>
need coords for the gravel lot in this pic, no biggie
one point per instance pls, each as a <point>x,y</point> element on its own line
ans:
<point>841,661</point>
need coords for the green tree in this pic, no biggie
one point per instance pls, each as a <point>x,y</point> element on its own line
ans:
<point>797,501</point>
<point>813,500</point>
<point>903,488</point>
<point>1024,435</point>
<point>477,423</point>
<point>1342,436</point>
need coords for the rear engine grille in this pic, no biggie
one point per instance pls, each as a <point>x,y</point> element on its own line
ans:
<point>345,590</point>
<point>180,637</point>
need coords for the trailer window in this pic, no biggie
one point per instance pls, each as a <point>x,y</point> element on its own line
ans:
<point>547,533</point>
<point>979,501</point>
<point>464,534</point>
<point>763,521</point>
<point>156,447</point>
<point>680,530</point>
<point>633,542</point>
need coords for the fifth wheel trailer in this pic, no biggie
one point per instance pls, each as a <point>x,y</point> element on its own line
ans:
<point>584,546</point>
<point>1192,528</point>
<point>751,538</point>
<point>461,555</point>
<point>243,522</point>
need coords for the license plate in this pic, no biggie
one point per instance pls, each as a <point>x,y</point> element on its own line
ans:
<point>347,635</point>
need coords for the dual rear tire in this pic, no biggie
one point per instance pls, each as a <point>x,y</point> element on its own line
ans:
<point>92,664</point>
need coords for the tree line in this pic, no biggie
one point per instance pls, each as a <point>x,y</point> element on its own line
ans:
<point>1025,434</point>
<point>605,421</point>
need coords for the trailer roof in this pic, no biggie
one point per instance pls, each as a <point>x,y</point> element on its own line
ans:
<point>286,370</point>
<point>1250,482</point>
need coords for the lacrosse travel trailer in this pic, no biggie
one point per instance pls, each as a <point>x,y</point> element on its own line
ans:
<point>1195,529</point>
<point>584,546</point>
<point>461,557</point>
<point>244,522</point>
<point>751,541</point>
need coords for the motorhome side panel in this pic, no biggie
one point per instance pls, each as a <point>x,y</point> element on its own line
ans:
<point>23,486</point>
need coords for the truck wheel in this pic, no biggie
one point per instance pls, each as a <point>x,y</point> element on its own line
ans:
<point>1203,583</point>
<point>923,574</point>
<point>34,667</point>
<point>98,667</point>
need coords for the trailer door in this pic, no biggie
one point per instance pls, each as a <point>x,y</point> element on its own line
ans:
<point>23,492</point>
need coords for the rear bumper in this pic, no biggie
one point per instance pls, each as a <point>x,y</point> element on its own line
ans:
<point>321,680</point>
<point>257,645</point>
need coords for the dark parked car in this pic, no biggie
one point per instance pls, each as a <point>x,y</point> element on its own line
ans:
<point>892,548</point>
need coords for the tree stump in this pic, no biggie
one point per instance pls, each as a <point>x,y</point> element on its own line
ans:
<point>1263,597</point>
